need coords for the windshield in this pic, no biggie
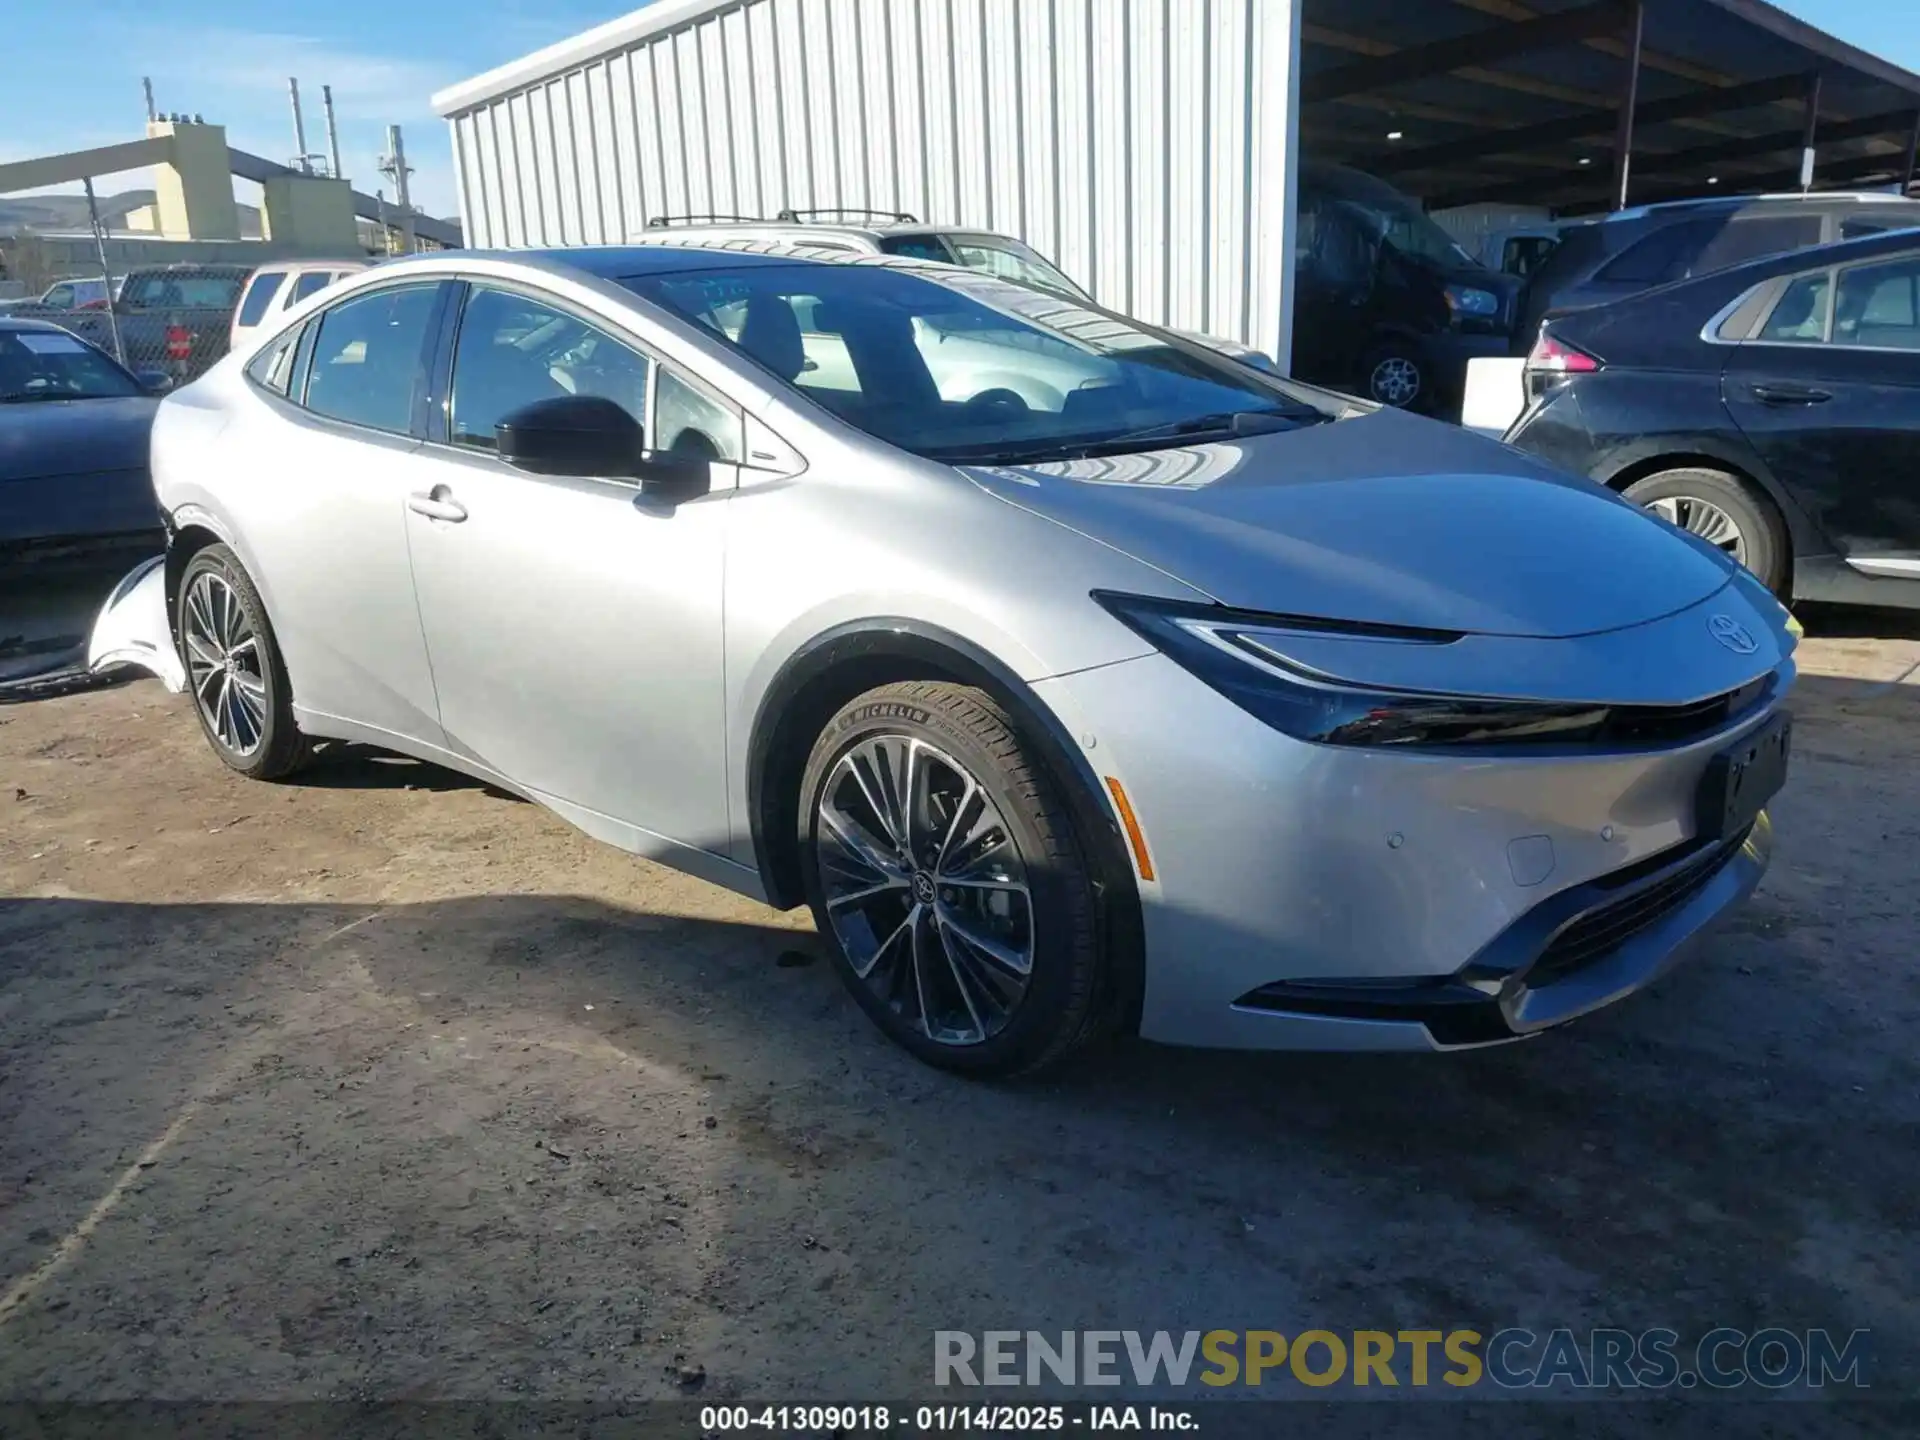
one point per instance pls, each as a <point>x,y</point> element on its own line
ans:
<point>182,291</point>
<point>1388,216</point>
<point>970,369</point>
<point>52,365</point>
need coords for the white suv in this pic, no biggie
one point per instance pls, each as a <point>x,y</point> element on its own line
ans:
<point>282,285</point>
<point>886,232</point>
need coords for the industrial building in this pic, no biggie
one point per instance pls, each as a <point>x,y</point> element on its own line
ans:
<point>1152,147</point>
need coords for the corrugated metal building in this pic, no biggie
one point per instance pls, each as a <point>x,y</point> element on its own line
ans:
<point>1144,145</point>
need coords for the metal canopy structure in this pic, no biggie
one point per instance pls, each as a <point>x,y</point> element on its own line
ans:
<point>1583,105</point>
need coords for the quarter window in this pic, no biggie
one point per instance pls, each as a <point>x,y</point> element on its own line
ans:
<point>369,359</point>
<point>687,421</point>
<point>1800,318</point>
<point>513,351</point>
<point>1878,306</point>
<point>273,366</point>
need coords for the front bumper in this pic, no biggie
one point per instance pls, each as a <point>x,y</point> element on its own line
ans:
<point>1330,898</point>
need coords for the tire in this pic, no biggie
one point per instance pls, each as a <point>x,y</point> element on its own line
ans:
<point>908,951</point>
<point>1396,368</point>
<point>1700,500</point>
<point>246,707</point>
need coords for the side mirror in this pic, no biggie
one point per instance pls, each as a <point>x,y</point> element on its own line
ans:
<point>154,382</point>
<point>571,435</point>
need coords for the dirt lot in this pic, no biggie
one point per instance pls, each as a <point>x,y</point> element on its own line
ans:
<point>384,1084</point>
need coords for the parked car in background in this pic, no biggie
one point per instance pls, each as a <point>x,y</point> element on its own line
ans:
<point>1200,703</point>
<point>885,232</point>
<point>1617,255</point>
<point>1386,304</point>
<point>74,425</point>
<point>1772,410</point>
<point>60,297</point>
<point>176,317</point>
<point>282,285</point>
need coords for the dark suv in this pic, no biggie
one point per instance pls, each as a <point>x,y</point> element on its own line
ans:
<point>1624,253</point>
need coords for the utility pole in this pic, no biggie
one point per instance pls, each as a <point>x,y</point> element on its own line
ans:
<point>333,135</point>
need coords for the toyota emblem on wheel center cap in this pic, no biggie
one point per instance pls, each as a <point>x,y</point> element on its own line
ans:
<point>923,888</point>
<point>1732,634</point>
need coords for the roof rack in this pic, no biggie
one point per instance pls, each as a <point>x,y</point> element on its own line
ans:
<point>662,222</point>
<point>791,216</point>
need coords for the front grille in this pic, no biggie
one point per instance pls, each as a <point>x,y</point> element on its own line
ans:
<point>1634,725</point>
<point>1609,925</point>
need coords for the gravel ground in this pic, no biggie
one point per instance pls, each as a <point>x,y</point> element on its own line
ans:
<point>383,1084</point>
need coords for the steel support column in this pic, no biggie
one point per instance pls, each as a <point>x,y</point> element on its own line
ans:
<point>1629,101</point>
<point>1913,154</point>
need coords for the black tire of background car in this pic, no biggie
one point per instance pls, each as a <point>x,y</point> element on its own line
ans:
<point>1061,1011</point>
<point>1748,508</point>
<point>1406,350</point>
<point>282,749</point>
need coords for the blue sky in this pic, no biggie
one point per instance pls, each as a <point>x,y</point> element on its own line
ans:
<point>70,73</point>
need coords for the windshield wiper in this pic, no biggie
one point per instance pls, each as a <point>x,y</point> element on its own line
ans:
<point>1230,423</point>
<point>19,397</point>
<point>1226,425</point>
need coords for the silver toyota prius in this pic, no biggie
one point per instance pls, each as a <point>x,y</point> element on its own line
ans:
<point>1079,678</point>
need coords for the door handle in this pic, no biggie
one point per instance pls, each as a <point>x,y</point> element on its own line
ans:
<point>1790,395</point>
<point>437,504</point>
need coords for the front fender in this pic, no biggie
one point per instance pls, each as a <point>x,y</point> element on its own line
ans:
<point>134,629</point>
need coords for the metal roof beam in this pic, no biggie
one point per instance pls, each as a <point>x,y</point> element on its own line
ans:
<point>1578,189</point>
<point>1587,123</point>
<point>1500,43</point>
<point>1830,133</point>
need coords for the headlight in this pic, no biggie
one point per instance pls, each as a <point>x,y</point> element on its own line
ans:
<point>1465,300</point>
<point>1243,655</point>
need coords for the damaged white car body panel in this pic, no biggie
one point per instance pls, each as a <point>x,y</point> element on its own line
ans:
<point>133,628</point>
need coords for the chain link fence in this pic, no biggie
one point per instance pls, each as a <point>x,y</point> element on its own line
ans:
<point>155,319</point>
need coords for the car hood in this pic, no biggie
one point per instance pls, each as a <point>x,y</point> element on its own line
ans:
<point>1382,519</point>
<point>74,437</point>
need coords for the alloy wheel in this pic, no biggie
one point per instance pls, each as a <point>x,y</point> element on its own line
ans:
<point>1705,519</point>
<point>925,888</point>
<point>1396,381</point>
<point>224,663</point>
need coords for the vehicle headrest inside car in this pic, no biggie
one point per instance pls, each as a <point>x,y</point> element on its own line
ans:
<point>771,335</point>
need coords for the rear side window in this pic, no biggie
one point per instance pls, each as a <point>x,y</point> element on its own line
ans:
<point>260,294</point>
<point>918,247</point>
<point>1663,255</point>
<point>369,358</point>
<point>311,283</point>
<point>1855,229</point>
<point>1878,306</point>
<point>1800,318</point>
<point>1754,238</point>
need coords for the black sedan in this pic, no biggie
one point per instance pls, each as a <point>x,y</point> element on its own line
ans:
<point>74,427</point>
<point>1772,409</point>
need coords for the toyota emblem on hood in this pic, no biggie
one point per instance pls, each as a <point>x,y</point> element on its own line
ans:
<point>1732,634</point>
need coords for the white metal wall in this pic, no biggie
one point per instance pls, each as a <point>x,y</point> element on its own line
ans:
<point>1145,145</point>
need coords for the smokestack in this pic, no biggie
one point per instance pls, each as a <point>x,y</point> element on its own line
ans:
<point>333,135</point>
<point>396,166</point>
<point>146,84</point>
<point>299,127</point>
